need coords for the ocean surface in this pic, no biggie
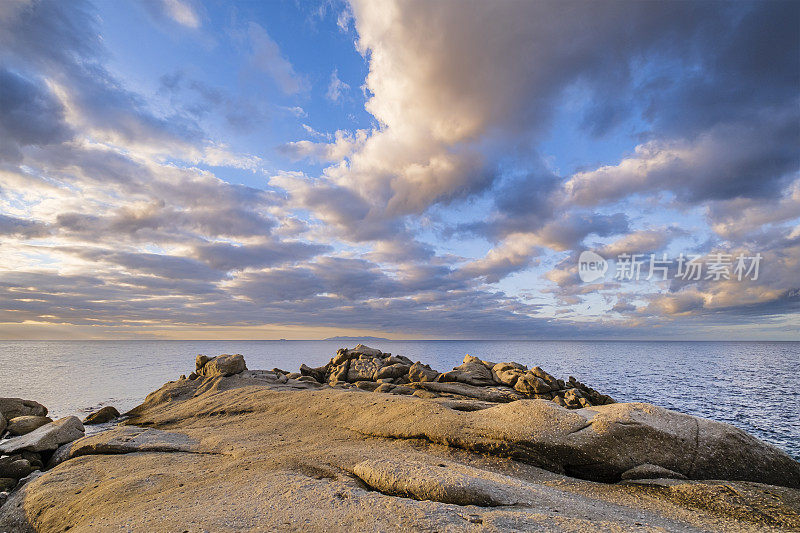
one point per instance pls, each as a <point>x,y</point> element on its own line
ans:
<point>752,385</point>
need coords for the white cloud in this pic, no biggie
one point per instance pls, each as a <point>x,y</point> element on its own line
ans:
<point>336,87</point>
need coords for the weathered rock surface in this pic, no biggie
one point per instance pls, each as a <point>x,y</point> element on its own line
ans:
<point>14,407</point>
<point>438,481</point>
<point>101,416</point>
<point>222,365</point>
<point>25,424</point>
<point>125,439</point>
<point>252,452</point>
<point>598,443</point>
<point>47,437</point>
<point>648,471</point>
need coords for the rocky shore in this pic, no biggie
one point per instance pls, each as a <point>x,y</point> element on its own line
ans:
<point>376,442</point>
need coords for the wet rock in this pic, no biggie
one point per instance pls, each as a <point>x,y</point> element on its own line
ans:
<point>25,424</point>
<point>106,414</point>
<point>422,373</point>
<point>222,365</point>
<point>47,437</point>
<point>648,471</point>
<point>14,407</point>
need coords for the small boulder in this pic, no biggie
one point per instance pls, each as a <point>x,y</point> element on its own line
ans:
<point>106,414</point>
<point>222,365</point>
<point>2,423</point>
<point>469,372</point>
<point>317,373</point>
<point>366,350</point>
<point>421,373</point>
<point>25,424</point>
<point>507,373</point>
<point>393,371</point>
<point>7,484</point>
<point>14,407</point>
<point>15,466</point>
<point>47,437</point>
<point>200,361</point>
<point>530,384</point>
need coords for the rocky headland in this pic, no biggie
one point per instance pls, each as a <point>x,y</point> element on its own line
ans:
<point>375,442</point>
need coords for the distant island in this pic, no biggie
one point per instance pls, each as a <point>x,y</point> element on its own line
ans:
<point>357,339</point>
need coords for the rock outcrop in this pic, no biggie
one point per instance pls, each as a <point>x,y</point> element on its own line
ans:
<point>313,451</point>
<point>473,378</point>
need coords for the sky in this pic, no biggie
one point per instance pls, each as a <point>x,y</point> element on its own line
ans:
<point>182,169</point>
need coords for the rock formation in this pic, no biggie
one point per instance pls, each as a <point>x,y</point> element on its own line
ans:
<point>474,378</point>
<point>482,447</point>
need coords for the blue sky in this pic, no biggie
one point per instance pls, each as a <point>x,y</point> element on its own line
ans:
<point>188,169</point>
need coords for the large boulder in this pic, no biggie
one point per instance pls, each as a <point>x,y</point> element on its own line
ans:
<point>421,373</point>
<point>222,365</point>
<point>14,407</point>
<point>393,371</point>
<point>47,437</point>
<point>507,373</point>
<point>596,443</point>
<point>365,369</point>
<point>106,414</point>
<point>472,372</point>
<point>25,424</point>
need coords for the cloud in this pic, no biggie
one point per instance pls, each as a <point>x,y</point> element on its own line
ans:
<point>336,88</point>
<point>265,55</point>
<point>179,11</point>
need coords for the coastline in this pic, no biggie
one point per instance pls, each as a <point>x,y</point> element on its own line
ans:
<point>236,449</point>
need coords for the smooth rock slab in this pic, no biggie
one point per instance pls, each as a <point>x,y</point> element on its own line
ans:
<point>125,439</point>
<point>648,471</point>
<point>47,437</point>
<point>22,425</point>
<point>441,481</point>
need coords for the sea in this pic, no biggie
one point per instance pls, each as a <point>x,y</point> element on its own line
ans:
<point>752,385</point>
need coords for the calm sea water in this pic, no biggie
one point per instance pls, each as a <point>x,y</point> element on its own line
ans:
<point>752,385</point>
